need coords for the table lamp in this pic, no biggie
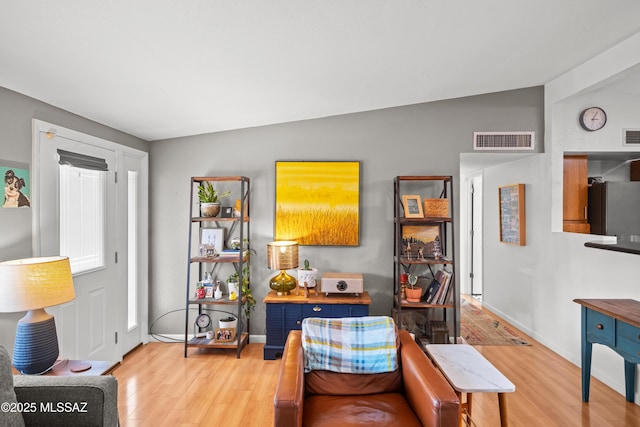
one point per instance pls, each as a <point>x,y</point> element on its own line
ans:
<point>30,285</point>
<point>282,255</point>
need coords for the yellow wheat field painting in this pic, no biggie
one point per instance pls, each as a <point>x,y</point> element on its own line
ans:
<point>317,203</point>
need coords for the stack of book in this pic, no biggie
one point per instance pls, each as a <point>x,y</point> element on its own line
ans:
<point>438,290</point>
<point>230,253</point>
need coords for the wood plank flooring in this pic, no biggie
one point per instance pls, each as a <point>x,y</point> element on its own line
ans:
<point>159,387</point>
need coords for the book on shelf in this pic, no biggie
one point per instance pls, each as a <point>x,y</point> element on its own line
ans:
<point>447,291</point>
<point>431,291</point>
<point>444,277</point>
<point>231,253</point>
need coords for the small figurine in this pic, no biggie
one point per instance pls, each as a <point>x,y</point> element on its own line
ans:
<point>437,248</point>
<point>217,293</point>
<point>200,291</point>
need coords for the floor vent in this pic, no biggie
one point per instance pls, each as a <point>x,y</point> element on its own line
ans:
<point>498,141</point>
<point>632,137</point>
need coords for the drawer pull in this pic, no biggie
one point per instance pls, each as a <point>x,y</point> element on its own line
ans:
<point>317,309</point>
<point>599,326</point>
<point>298,322</point>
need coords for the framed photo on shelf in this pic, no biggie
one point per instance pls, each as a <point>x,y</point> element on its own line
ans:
<point>412,206</point>
<point>208,291</point>
<point>418,241</point>
<point>227,212</point>
<point>224,335</point>
<point>512,214</point>
<point>213,238</point>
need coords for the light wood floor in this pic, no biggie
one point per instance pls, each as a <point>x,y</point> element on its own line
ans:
<point>159,387</point>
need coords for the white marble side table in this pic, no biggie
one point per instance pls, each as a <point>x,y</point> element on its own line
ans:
<point>469,372</point>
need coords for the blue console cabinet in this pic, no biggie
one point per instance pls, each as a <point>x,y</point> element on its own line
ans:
<point>616,324</point>
<point>285,313</point>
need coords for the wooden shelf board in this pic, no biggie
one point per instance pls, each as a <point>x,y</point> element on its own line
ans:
<point>407,304</point>
<point>203,342</point>
<point>218,178</point>
<point>425,220</point>
<point>218,219</point>
<point>441,260</point>
<point>218,259</point>
<point>425,178</point>
<point>210,301</point>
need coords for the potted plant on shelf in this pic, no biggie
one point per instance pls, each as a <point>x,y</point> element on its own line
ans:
<point>233,279</point>
<point>414,293</point>
<point>228,322</point>
<point>307,275</point>
<point>210,199</point>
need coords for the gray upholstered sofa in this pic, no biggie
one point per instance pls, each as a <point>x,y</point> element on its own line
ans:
<point>56,401</point>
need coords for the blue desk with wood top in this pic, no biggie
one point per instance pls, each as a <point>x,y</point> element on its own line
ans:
<point>616,324</point>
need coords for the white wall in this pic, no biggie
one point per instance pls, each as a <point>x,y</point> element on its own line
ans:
<point>534,286</point>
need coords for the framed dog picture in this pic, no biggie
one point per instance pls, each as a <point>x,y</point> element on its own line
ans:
<point>16,185</point>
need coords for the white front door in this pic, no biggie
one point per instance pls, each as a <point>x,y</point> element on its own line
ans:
<point>75,216</point>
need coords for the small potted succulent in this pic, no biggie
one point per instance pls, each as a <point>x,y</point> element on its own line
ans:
<point>228,322</point>
<point>307,275</point>
<point>210,199</point>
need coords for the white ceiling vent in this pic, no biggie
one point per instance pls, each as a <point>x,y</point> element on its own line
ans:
<point>631,137</point>
<point>503,141</point>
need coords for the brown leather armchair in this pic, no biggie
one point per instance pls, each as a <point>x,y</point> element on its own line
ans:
<point>416,394</point>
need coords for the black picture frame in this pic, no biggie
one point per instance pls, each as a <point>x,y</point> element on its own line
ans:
<point>226,212</point>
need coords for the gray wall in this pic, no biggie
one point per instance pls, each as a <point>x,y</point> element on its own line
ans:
<point>16,113</point>
<point>412,140</point>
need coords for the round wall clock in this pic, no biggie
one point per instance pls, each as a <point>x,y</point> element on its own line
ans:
<point>203,320</point>
<point>593,119</point>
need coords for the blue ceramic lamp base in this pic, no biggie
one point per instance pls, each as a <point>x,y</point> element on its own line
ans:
<point>36,347</point>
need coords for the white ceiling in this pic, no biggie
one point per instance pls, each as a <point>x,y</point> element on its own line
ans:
<point>158,69</point>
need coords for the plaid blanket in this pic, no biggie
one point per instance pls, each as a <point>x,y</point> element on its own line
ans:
<point>361,345</point>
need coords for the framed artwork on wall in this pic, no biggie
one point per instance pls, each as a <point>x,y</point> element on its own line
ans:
<point>512,214</point>
<point>16,184</point>
<point>317,202</point>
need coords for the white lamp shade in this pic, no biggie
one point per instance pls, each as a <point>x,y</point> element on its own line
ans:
<point>282,255</point>
<point>33,283</point>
